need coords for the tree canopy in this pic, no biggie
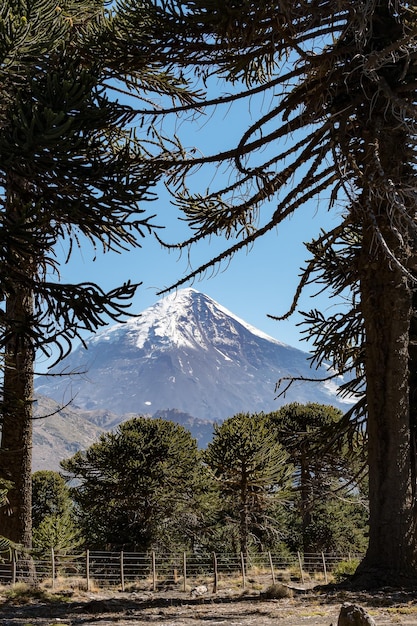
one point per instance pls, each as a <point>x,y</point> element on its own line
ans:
<point>328,470</point>
<point>50,496</point>
<point>138,487</point>
<point>73,165</point>
<point>253,472</point>
<point>76,166</point>
<point>341,131</point>
<point>145,486</point>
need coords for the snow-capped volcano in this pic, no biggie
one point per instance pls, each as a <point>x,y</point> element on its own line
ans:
<point>186,352</point>
<point>185,319</point>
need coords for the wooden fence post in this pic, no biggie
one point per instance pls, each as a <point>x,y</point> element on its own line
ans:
<point>153,571</point>
<point>324,567</point>
<point>53,567</point>
<point>14,567</point>
<point>216,573</point>
<point>184,569</point>
<point>272,568</point>
<point>301,567</point>
<point>87,568</point>
<point>122,571</point>
<point>242,564</point>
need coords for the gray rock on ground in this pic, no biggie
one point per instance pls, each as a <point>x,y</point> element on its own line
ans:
<point>199,591</point>
<point>354,615</point>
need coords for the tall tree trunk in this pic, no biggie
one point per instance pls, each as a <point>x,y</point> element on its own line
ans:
<point>306,504</point>
<point>243,514</point>
<point>385,177</point>
<point>387,312</point>
<point>412,353</point>
<point>16,436</point>
<point>17,401</point>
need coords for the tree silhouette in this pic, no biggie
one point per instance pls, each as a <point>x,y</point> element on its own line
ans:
<point>72,170</point>
<point>341,129</point>
<point>252,471</point>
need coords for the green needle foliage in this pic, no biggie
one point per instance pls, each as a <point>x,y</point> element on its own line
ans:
<point>139,487</point>
<point>253,472</point>
<point>71,165</point>
<point>59,533</point>
<point>76,167</point>
<point>50,496</point>
<point>330,507</point>
<point>341,80</point>
<point>53,515</point>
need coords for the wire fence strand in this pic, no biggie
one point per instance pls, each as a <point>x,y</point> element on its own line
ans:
<point>159,571</point>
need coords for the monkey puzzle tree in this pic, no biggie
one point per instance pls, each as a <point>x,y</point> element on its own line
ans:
<point>138,486</point>
<point>73,170</point>
<point>342,77</point>
<point>50,496</point>
<point>53,516</point>
<point>252,470</point>
<point>327,468</point>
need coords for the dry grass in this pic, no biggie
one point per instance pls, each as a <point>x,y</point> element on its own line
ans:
<point>22,593</point>
<point>63,584</point>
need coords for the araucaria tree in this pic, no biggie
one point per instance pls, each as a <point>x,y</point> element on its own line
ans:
<point>328,475</point>
<point>53,518</point>
<point>342,80</point>
<point>253,473</point>
<point>71,170</point>
<point>138,488</point>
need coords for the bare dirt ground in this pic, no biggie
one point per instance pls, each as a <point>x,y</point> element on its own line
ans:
<point>312,608</point>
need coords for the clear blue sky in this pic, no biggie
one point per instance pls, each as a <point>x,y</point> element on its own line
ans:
<point>256,282</point>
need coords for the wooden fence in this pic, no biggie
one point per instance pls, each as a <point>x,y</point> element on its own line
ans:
<point>156,571</point>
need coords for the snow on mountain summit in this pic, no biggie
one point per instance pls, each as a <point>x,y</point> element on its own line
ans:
<point>185,352</point>
<point>183,318</point>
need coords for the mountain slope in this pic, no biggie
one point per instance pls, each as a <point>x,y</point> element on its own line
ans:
<point>59,432</point>
<point>189,353</point>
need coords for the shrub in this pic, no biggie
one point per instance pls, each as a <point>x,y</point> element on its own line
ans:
<point>276,591</point>
<point>344,569</point>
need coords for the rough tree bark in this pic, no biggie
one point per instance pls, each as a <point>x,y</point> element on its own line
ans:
<point>17,401</point>
<point>386,303</point>
<point>387,306</point>
<point>16,436</point>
